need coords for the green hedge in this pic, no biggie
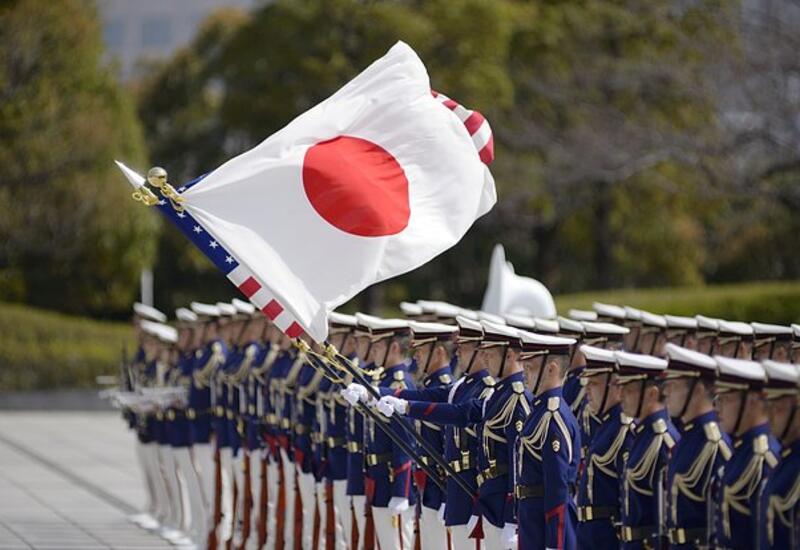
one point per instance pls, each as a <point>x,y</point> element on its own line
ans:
<point>41,350</point>
<point>768,302</point>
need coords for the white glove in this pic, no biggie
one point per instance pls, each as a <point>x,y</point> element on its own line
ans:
<point>440,513</point>
<point>354,393</point>
<point>396,404</point>
<point>385,406</point>
<point>398,505</point>
<point>473,521</point>
<point>509,536</point>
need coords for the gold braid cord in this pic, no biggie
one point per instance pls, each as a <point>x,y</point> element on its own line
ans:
<point>605,461</point>
<point>781,508</point>
<point>738,495</point>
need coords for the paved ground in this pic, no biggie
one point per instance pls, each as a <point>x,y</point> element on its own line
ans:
<point>67,482</point>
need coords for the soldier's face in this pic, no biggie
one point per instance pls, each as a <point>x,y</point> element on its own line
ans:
<point>596,388</point>
<point>532,369</point>
<point>704,344</point>
<point>781,352</point>
<point>779,411</point>
<point>761,352</point>
<point>630,394</point>
<point>464,353</point>
<point>728,406</point>
<point>676,392</point>
<point>420,355</point>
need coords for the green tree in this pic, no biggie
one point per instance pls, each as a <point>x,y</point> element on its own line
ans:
<point>71,238</point>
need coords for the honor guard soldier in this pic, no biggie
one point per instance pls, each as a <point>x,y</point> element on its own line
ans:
<point>333,411</point>
<point>499,417</point>
<point>652,334</point>
<point>771,342</point>
<point>599,487</point>
<point>433,345</point>
<point>633,321</point>
<point>195,519</point>
<point>733,339</point>
<point>702,450</point>
<point>779,503</point>
<point>209,355</point>
<point>654,436</point>
<point>681,331</point>
<point>146,451</point>
<point>547,449</point>
<point>388,483</point>
<point>706,334</point>
<point>743,415</point>
<point>601,335</point>
<point>460,443</point>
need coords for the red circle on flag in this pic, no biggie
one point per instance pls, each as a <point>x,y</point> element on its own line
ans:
<point>357,186</point>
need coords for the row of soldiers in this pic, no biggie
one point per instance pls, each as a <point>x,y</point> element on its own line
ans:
<point>612,428</point>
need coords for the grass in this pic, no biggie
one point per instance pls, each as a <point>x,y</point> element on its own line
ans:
<point>40,349</point>
<point>768,302</point>
<point>43,350</point>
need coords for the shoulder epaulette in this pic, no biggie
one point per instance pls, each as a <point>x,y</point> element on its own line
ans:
<point>553,403</point>
<point>216,347</point>
<point>625,420</point>
<point>712,432</point>
<point>445,378</point>
<point>659,426</point>
<point>517,386</point>
<point>488,381</point>
<point>399,375</point>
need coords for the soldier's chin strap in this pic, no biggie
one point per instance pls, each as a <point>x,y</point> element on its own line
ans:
<point>641,398</point>
<point>428,360</point>
<point>602,409</point>
<point>502,362</point>
<point>789,422</point>
<point>471,361</point>
<point>689,393</point>
<point>540,374</point>
<point>386,355</point>
<point>740,415</point>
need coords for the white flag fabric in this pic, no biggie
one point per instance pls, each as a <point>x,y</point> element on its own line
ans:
<point>371,183</point>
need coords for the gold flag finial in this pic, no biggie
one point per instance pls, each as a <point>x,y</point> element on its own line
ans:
<point>157,177</point>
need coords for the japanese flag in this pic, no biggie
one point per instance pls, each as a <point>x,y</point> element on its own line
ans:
<point>371,183</point>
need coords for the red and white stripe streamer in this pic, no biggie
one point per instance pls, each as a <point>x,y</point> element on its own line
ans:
<point>475,123</point>
<point>265,301</point>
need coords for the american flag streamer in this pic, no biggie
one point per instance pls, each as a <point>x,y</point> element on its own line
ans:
<point>246,281</point>
<point>475,123</point>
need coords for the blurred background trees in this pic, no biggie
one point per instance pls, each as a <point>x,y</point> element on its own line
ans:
<point>637,144</point>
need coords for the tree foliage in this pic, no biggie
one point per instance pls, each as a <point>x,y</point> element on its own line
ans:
<point>617,163</point>
<point>70,237</point>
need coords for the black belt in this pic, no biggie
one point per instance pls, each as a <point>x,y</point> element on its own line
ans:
<point>492,472</point>
<point>465,463</point>
<point>680,535</point>
<point>631,534</point>
<point>589,513</point>
<point>528,491</point>
<point>374,460</point>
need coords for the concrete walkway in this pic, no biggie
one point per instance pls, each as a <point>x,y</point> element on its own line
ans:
<point>68,480</point>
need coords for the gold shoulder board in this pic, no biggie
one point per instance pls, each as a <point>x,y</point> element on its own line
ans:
<point>399,375</point>
<point>517,386</point>
<point>553,403</point>
<point>488,381</point>
<point>659,426</point>
<point>712,432</point>
<point>445,379</point>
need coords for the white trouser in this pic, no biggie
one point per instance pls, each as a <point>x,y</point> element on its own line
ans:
<point>432,532</point>
<point>272,502</point>
<point>359,513</point>
<point>343,515</point>
<point>194,514</point>
<point>161,497</point>
<point>492,536</point>
<point>238,477</point>
<point>203,455</point>
<point>256,458</point>
<point>289,489</point>
<point>459,538</point>
<point>169,468</point>
<point>394,531</point>
<point>147,478</point>
<point>306,483</point>
<point>227,487</point>
<point>322,507</point>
